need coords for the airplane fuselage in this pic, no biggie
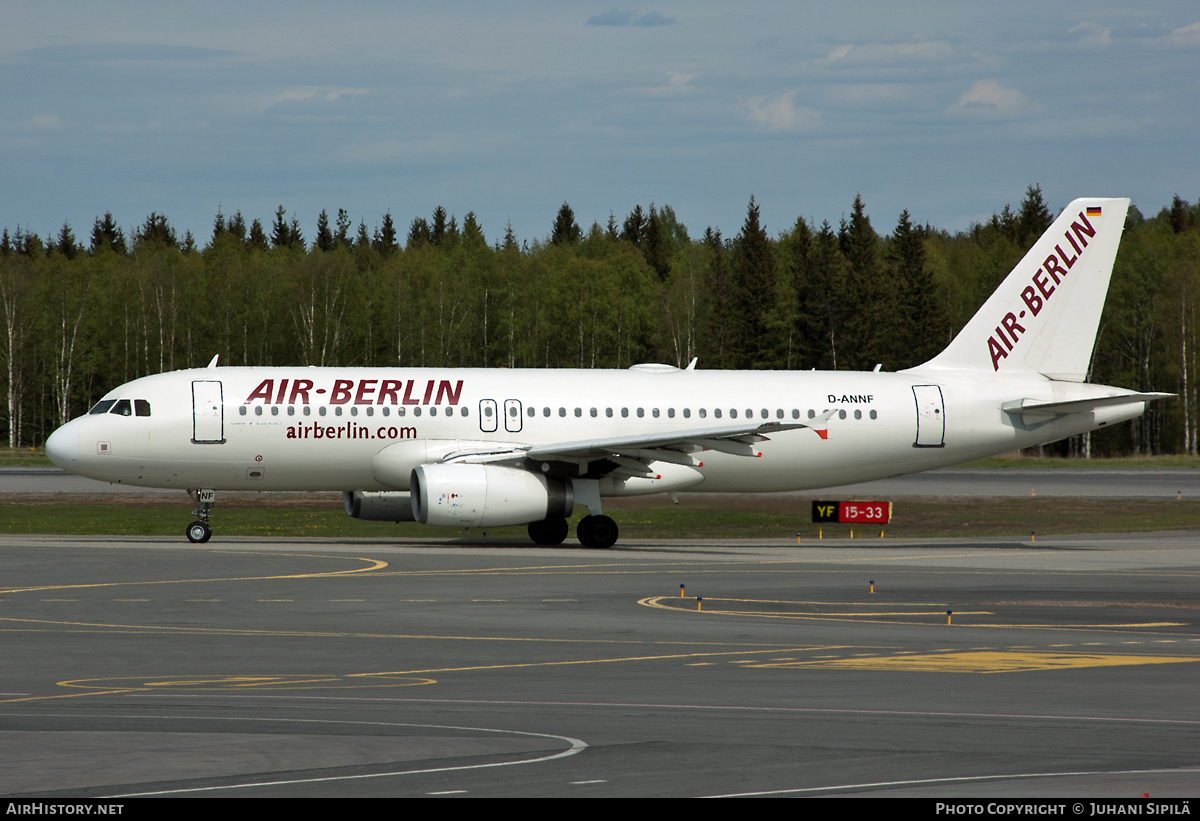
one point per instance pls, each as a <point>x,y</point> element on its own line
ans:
<point>320,428</point>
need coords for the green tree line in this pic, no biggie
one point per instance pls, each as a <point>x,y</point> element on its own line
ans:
<point>81,317</point>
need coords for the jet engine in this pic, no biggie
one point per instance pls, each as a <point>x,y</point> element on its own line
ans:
<point>378,506</point>
<point>464,495</point>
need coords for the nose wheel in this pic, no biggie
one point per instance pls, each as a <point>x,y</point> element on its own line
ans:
<point>199,531</point>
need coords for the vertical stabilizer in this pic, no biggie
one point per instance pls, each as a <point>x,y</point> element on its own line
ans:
<point>1043,317</point>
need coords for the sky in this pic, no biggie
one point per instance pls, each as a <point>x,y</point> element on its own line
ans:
<point>946,109</point>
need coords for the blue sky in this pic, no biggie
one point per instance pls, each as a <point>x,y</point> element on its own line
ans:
<point>948,109</point>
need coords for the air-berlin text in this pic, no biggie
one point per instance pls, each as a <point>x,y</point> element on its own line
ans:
<point>1045,280</point>
<point>357,392</point>
<point>353,430</point>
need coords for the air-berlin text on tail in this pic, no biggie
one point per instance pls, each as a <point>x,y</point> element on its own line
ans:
<point>1045,279</point>
<point>357,392</point>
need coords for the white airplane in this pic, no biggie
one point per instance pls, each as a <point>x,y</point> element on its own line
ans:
<point>479,448</point>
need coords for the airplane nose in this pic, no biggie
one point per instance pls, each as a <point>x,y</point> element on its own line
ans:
<point>63,447</point>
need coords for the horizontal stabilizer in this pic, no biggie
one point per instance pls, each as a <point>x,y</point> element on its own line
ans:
<point>1037,407</point>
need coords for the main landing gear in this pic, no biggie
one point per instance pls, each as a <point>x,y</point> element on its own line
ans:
<point>597,532</point>
<point>593,531</point>
<point>199,531</point>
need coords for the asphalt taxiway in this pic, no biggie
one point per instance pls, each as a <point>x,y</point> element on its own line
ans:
<point>675,668</point>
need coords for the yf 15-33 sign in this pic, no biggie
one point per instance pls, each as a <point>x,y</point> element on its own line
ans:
<point>867,513</point>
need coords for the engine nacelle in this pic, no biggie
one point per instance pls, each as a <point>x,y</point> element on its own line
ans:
<point>462,495</point>
<point>378,505</point>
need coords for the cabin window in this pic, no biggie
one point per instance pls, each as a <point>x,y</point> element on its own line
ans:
<point>874,415</point>
<point>274,410</point>
<point>578,412</point>
<point>463,412</point>
<point>545,412</point>
<point>532,412</point>
<point>812,414</point>
<point>624,413</point>
<point>779,413</point>
<point>103,405</point>
<point>307,410</point>
<point>795,413</point>
<point>766,414</point>
<point>291,410</point>
<point>337,411</point>
<point>370,411</point>
<point>655,412</point>
<point>321,411</point>
<point>608,412</point>
<point>141,407</point>
<point>670,413</point>
<point>841,414</point>
<point>258,410</point>
<point>703,412</point>
<point>487,411</point>
<point>687,413</point>
<point>593,413</point>
<point>733,413</point>
<point>858,414</point>
<point>241,410</point>
<point>416,411</point>
<point>433,411</point>
<point>402,411</point>
<point>386,412</point>
<point>641,412</point>
<point>562,412</point>
<point>717,413</point>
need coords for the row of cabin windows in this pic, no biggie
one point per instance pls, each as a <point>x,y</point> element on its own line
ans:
<point>122,407</point>
<point>687,413</point>
<point>306,410</point>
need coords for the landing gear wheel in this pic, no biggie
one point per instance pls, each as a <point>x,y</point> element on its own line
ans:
<point>597,532</point>
<point>549,531</point>
<point>198,532</point>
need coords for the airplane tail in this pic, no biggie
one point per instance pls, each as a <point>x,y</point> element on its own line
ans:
<point>1043,317</point>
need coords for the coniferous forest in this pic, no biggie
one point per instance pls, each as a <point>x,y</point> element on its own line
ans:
<point>83,315</point>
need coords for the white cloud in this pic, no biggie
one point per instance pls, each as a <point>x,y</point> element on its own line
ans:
<point>678,84</point>
<point>781,114</point>
<point>329,94</point>
<point>615,17</point>
<point>989,97</point>
<point>1093,34</point>
<point>1185,36</point>
<point>43,122</point>
<point>932,51</point>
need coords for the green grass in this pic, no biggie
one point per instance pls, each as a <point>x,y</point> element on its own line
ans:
<point>923,518</point>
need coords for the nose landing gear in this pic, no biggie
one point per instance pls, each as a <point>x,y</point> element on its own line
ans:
<point>199,531</point>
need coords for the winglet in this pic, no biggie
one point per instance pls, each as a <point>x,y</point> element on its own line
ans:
<point>820,424</point>
<point>213,364</point>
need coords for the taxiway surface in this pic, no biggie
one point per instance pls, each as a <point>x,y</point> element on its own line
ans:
<point>260,667</point>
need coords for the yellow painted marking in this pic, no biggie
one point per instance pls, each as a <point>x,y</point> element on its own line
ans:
<point>372,565</point>
<point>241,682</point>
<point>986,662</point>
<point>235,631</point>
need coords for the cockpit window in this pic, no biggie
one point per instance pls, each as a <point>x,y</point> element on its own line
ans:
<point>103,405</point>
<point>122,408</point>
<point>141,407</point>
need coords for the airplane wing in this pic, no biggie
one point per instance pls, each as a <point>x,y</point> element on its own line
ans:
<point>632,454</point>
